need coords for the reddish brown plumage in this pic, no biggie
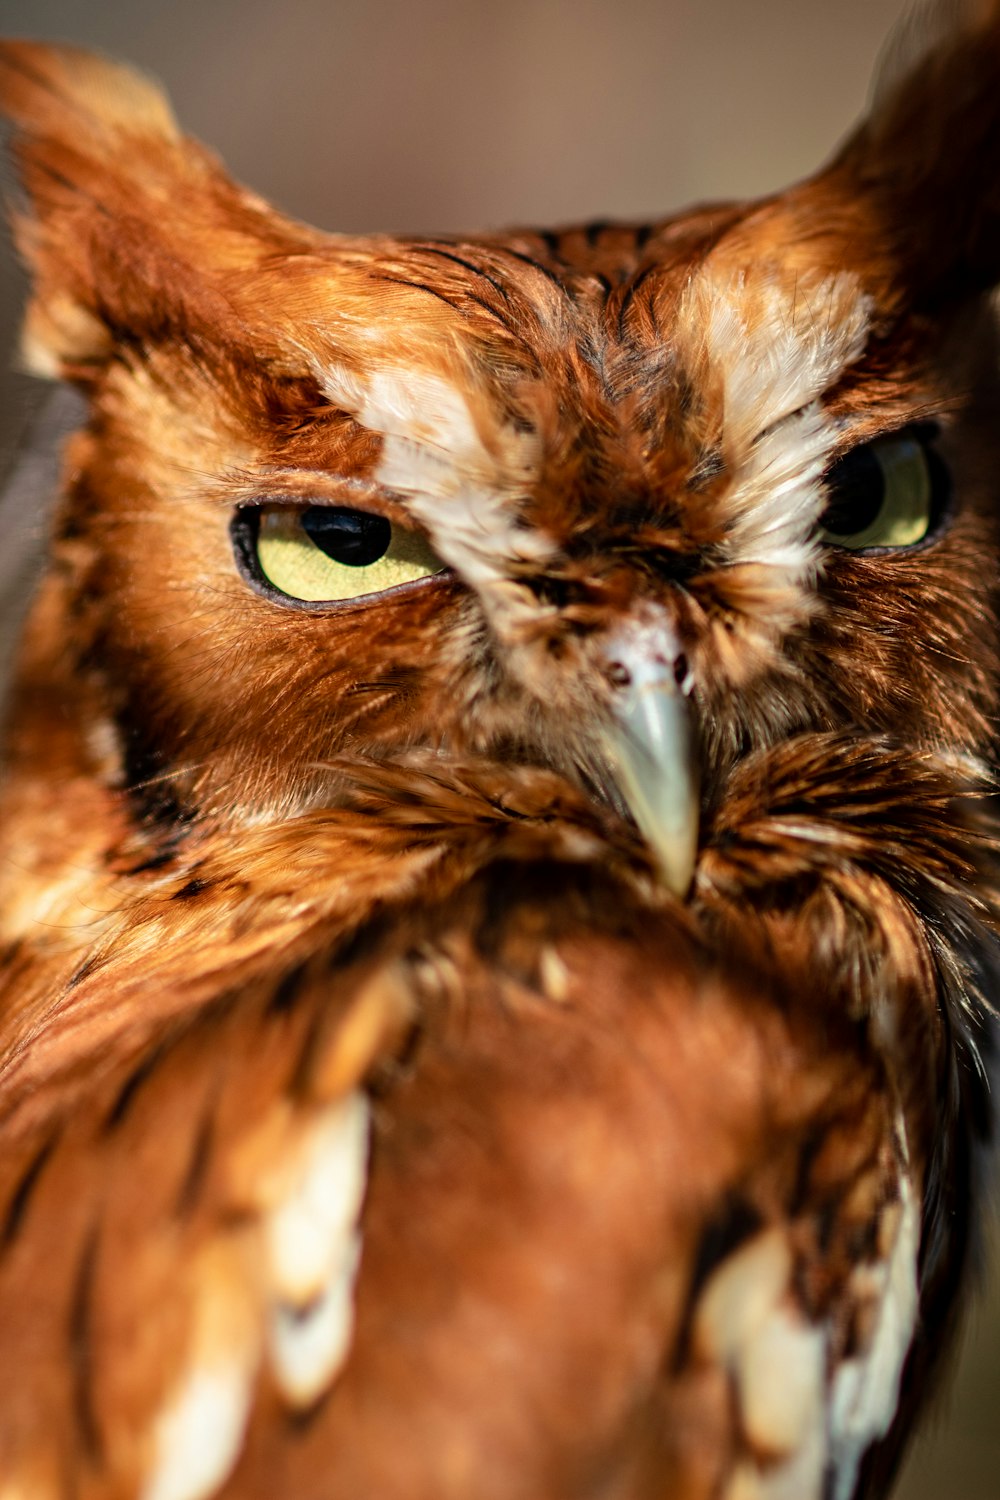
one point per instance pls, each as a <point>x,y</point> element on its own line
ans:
<point>648,1170</point>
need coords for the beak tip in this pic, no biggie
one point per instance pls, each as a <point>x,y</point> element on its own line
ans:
<point>676,867</point>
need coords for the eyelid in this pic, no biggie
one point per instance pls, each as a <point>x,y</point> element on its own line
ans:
<point>244,529</point>
<point>860,434</point>
<point>301,490</point>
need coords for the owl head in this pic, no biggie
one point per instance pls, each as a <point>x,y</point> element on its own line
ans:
<point>628,502</point>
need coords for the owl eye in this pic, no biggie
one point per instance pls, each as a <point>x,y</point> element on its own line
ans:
<point>886,494</point>
<point>328,553</point>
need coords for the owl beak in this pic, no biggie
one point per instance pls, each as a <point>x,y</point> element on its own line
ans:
<point>650,745</point>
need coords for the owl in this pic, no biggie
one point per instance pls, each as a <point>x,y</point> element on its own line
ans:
<point>498,898</point>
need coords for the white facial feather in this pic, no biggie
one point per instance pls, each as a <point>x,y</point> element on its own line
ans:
<point>771,348</point>
<point>774,349</point>
<point>463,484</point>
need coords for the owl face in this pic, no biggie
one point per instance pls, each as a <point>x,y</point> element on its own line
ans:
<point>630,513</point>
<point>627,503</point>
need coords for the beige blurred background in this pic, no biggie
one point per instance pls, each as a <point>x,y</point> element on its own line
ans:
<point>423,115</point>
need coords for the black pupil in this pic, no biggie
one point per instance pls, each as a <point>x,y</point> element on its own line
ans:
<point>353,537</point>
<point>856,486</point>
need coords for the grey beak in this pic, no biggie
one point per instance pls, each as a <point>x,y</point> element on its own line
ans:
<point>650,745</point>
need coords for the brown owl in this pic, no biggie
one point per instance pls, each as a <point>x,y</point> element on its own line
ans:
<point>498,897</point>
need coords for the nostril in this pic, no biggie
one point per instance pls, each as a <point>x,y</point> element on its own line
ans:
<point>621,676</point>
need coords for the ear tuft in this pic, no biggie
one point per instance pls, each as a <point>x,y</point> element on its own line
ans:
<point>133,232</point>
<point>65,93</point>
<point>927,158</point>
<point>78,120</point>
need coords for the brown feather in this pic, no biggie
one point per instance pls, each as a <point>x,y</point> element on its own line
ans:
<point>375,1120</point>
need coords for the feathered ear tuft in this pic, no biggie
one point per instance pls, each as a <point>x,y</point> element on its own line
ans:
<point>927,159</point>
<point>69,94</point>
<point>131,228</point>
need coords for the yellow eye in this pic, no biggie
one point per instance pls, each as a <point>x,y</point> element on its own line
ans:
<point>329,553</point>
<point>889,493</point>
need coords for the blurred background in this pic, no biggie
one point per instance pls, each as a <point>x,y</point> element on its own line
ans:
<point>447,115</point>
